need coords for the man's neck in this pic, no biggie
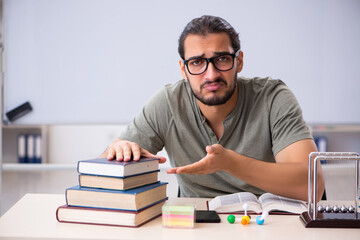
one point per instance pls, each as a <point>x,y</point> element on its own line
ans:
<point>215,115</point>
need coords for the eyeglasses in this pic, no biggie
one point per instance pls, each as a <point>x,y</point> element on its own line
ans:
<point>224,62</point>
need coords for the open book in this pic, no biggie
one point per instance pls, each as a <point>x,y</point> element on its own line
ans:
<point>267,202</point>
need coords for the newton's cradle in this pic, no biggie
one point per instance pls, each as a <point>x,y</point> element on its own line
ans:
<point>328,216</point>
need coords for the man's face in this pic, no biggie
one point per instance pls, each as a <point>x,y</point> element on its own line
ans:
<point>213,87</point>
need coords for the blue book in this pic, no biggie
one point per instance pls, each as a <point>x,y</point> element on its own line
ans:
<point>33,148</point>
<point>21,148</point>
<point>113,168</point>
<point>38,149</point>
<point>30,148</point>
<point>131,200</point>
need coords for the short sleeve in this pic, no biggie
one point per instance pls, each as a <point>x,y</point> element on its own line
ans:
<point>286,120</point>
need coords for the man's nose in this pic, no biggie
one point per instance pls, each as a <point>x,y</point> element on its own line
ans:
<point>211,73</point>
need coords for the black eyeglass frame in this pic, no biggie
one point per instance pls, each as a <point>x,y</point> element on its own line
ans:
<point>211,60</point>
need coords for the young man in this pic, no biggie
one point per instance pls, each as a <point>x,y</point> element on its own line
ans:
<point>223,134</point>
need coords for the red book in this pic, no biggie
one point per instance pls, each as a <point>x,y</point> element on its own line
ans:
<point>110,217</point>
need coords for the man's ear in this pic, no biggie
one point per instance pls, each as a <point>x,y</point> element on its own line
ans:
<point>240,61</point>
<point>182,69</point>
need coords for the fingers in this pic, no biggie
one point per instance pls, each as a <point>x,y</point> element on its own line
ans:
<point>212,162</point>
<point>123,150</point>
<point>171,170</point>
<point>195,168</point>
<point>136,151</point>
<point>111,154</point>
<point>130,149</point>
<point>146,153</point>
<point>190,169</point>
<point>214,149</point>
<point>209,149</point>
<point>161,159</point>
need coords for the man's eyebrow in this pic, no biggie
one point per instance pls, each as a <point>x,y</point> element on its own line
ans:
<point>195,57</point>
<point>221,53</point>
<point>215,54</point>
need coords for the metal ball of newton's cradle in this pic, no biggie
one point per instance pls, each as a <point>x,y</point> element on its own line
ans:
<point>351,209</point>
<point>343,209</point>
<point>321,209</point>
<point>328,209</point>
<point>336,209</point>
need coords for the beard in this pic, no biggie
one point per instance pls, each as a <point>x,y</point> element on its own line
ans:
<point>215,100</point>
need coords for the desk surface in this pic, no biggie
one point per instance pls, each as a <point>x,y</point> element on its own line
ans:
<point>33,217</point>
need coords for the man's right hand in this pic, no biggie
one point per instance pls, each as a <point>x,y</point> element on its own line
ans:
<point>123,150</point>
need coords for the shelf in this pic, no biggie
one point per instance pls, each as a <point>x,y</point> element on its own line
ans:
<point>336,128</point>
<point>10,135</point>
<point>32,126</point>
<point>39,167</point>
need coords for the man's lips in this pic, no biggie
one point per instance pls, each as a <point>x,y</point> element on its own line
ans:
<point>212,87</point>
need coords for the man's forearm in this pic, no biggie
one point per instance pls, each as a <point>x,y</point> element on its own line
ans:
<point>286,179</point>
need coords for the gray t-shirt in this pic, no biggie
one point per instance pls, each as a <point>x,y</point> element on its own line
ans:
<point>266,119</point>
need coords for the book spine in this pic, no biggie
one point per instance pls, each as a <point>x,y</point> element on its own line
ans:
<point>79,179</point>
<point>122,177</point>
<point>57,213</point>
<point>117,209</point>
<point>21,148</point>
<point>38,149</point>
<point>77,168</point>
<point>103,224</point>
<point>66,196</point>
<point>30,148</point>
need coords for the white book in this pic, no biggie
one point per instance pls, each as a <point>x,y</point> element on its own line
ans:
<point>266,202</point>
<point>113,168</point>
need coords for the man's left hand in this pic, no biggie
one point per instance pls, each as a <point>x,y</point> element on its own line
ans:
<point>216,159</point>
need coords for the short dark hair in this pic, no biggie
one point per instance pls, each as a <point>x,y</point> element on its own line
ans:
<point>205,25</point>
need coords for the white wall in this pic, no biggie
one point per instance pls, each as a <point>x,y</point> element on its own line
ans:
<point>76,61</point>
<point>70,143</point>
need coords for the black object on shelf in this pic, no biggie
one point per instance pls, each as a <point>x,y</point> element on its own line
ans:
<point>19,111</point>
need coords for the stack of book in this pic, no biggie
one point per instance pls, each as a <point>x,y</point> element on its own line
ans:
<point>115,193</point>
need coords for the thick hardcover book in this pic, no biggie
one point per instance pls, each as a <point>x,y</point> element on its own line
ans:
<point>118,183</point>
<point>113,168</point>
<point>132,199</point>
<point>274,204</point>
<point>110,217</point>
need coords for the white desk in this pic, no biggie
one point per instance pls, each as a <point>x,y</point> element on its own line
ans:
<point>33,217</point>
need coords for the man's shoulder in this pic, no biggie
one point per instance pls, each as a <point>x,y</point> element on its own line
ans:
<point>176,87</point>
<point>261,86</point>
<point>260,82</point>
<point>171,94</point>
<point>168,91</point>
<point>177,92</point>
